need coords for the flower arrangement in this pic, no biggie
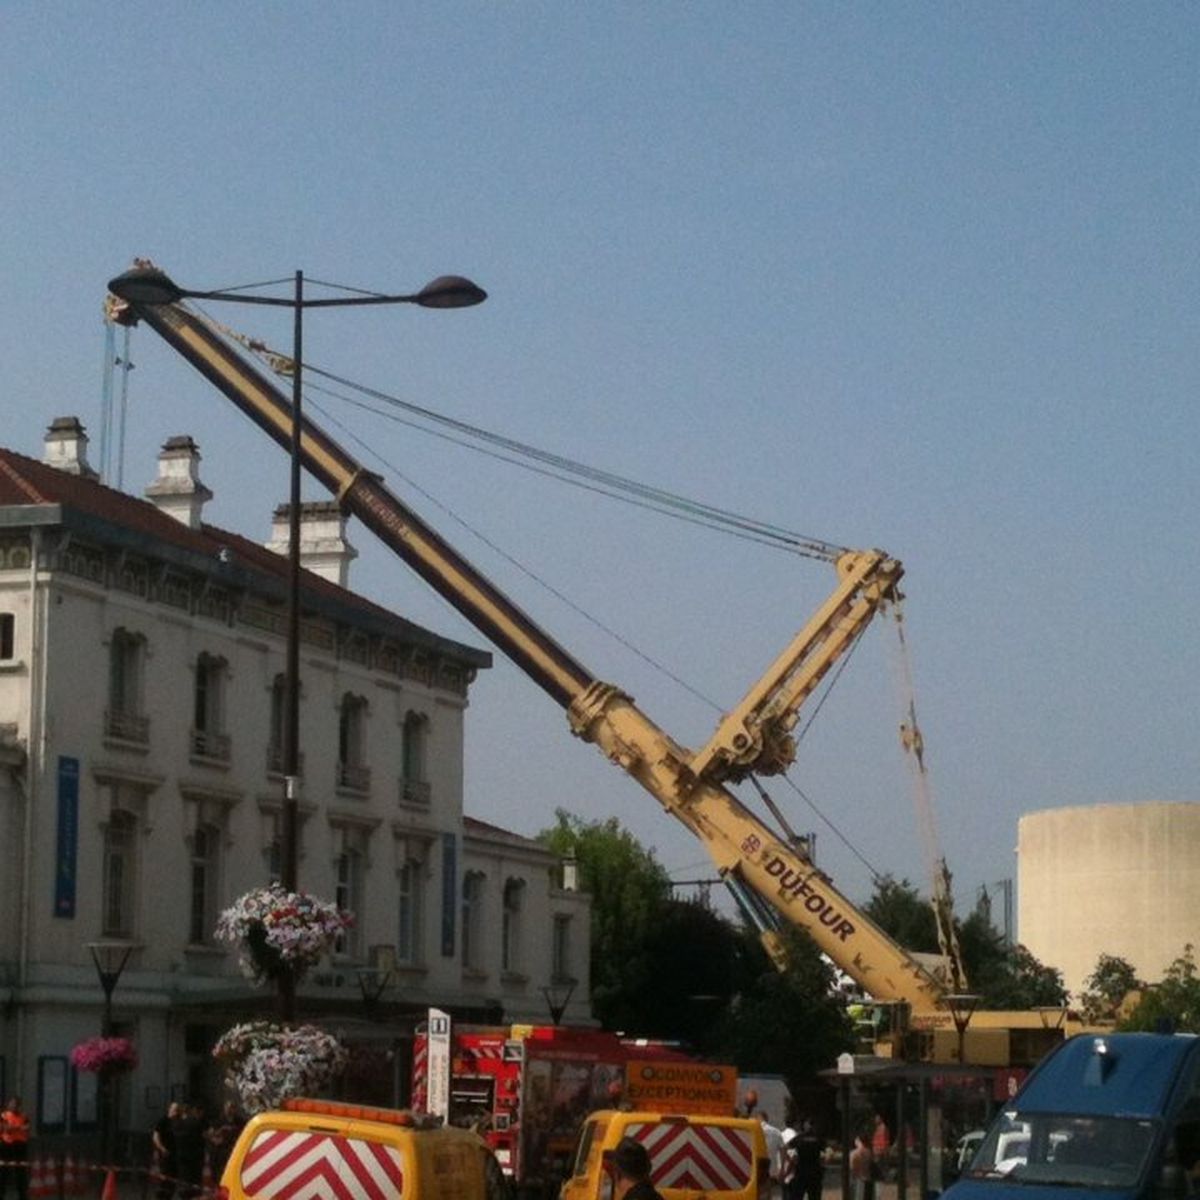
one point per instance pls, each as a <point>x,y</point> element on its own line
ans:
<point>104,1054</point>
<point>268,1063</point>
<point>279,930</point>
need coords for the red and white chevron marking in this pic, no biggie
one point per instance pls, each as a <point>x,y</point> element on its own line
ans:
<point>420,1073</point>
<point>710,1158</point>
<point>287,1164</point>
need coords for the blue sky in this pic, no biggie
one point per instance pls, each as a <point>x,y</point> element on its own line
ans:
<point>915,276</point>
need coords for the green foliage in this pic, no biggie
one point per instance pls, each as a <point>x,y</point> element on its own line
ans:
<point>691,957</point>
<point>628,887</point>
<point>1018,980</point>
<point>675,969</point>
<point>791,1023</point>
<point>1174,1003</point>
<point>1006,978</point>
<point>902,913</point>
<point>1111,981</point>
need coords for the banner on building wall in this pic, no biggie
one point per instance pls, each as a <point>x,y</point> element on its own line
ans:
<point>449,893</point>
<point>437,1099</point>
<point>67,848</point>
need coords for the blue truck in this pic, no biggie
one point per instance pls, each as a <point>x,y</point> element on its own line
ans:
<point>1116,1117</point>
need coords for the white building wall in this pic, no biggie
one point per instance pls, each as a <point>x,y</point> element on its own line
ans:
<point>1119,879</point>
<point>64,631</point>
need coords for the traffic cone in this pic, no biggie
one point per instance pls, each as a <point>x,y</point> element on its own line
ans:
<point>36,1186</point>
<point>110,1185</point>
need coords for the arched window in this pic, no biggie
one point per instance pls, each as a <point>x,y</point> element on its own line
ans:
<point>125,717</point>
<point>510,928</point>
<point>472,920</point>
<point>353,772</point>
<point>209,739</point>
<point>414,764</point>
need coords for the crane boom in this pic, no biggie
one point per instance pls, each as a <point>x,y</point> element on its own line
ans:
<point>753,737</point>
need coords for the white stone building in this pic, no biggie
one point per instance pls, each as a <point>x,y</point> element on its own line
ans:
<point>141,689</point>
<point>1119,879</point>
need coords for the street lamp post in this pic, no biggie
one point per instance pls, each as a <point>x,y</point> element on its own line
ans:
<point>110,959</point>
<point>148,285</point>
<point>962,1006</point>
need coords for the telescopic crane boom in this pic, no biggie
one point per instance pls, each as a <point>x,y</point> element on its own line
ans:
<point>772,880</point>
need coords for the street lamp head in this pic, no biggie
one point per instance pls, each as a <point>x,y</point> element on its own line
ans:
<point>146,285</point>
<point>450,291</point>
<point>962,1006</point>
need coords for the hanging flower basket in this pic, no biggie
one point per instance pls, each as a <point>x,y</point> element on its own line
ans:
<point>104,1055</point>
<point>277,930</point>
<point>269,1063</point>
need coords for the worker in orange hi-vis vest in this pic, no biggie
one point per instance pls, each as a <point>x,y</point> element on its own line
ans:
<point>14,1149</point>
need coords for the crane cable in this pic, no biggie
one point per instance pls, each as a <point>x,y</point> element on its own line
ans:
<point>557,466</point>
<point>591,479</point>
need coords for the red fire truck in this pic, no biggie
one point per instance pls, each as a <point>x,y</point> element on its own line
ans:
<point>527,1088</point>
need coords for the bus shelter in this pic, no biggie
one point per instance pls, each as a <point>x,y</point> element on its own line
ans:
<point>918,1118</point>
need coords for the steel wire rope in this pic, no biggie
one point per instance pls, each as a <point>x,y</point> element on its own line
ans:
<point>715,525</point>
<point>520,566</point>
<point>797,543</point>
<point>721,523</point>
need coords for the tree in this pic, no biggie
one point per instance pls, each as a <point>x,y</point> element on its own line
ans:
<point>792,1023</point>
<point>670,968</point>
<point>903,914</point>
<point>1019,981</point>
<point>1005,977</point>
<point>1106,987</point>
<point>1173,1004</point>
<point>629,888</point>
<point>694,958</point>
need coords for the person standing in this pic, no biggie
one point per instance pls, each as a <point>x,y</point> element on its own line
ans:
<point>881,1146</point>
<point>773,1136</point>
<point>632,1162</point>
<point>862,1169</point>
<point>808,1169</point>
<point>189,1148</point>
<point>14,1149</point>
<point>162,1138</point>
<point>221,1136</point>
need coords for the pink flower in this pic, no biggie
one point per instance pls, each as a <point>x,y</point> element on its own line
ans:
<point>104,1054</point>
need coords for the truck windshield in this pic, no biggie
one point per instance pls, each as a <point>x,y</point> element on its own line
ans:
<point>1067,1151</point>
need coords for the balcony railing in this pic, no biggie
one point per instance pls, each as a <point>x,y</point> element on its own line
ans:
<point>128,726</point>
<point>416,791</point>
<point>353,777</point>
<point>215,747</point>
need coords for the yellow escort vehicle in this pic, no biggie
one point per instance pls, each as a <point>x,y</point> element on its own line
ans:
<point>323,1150</point>
<point>717,1157</point>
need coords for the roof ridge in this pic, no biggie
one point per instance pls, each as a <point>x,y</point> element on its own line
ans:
<point>24,484</point>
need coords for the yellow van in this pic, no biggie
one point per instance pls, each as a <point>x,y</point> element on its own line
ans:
<point>719,1158</point>
<point>323,1150</point>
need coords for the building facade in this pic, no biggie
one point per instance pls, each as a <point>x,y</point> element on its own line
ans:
<point>141,717</point>
<point>1118,879</point>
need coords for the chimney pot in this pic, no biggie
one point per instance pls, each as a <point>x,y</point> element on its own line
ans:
<point>66,444</point>
<point>177,489</point>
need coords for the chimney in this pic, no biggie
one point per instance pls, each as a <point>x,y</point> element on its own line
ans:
<point>177,490</point>
<point>323,546</point>
<point>66,448</point>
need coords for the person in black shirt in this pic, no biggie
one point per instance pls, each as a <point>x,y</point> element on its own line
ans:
<point>807,1175</point>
